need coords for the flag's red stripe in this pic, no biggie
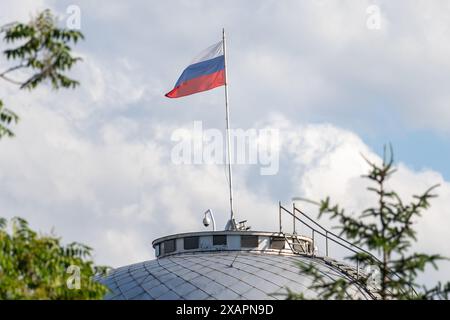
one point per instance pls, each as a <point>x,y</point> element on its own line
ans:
<point>203,83</point>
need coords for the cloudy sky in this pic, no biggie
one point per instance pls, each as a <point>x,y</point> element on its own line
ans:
<point>95,165</point>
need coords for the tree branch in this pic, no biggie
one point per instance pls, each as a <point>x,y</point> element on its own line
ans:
<point>4,77</point>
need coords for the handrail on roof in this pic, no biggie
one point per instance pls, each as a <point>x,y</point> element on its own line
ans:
<point>347,244</point>
<point>339,240</point>
<point>339,237</point>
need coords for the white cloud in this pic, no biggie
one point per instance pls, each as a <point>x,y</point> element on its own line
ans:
<point>327,161</point>
<point>119,194</point>
<point>20,10</point>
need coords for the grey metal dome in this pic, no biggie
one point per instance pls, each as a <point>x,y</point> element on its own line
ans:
<point>218,275</point>
<point>234,264</point>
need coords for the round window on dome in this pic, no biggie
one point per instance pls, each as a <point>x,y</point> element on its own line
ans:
<point>191,243</point>
<point>277,243</point>
<point>170,246</point>
<point>249,241</point>
<point>220,240</point>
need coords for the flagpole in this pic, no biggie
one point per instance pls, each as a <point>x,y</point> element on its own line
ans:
<point>231,224</point>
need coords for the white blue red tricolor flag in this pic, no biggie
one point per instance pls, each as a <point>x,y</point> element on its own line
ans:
<point>205,72</point>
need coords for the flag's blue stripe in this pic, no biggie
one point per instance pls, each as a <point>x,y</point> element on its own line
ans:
<point>201,69</point>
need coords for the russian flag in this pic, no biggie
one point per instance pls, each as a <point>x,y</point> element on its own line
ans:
<point>205,72</point>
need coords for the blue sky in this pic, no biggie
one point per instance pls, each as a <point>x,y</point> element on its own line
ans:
<point>312,69</point>
<point>419,149</point>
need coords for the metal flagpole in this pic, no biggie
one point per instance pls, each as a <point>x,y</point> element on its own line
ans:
<point>231,224</point>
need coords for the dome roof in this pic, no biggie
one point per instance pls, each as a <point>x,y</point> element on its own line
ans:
<point>204,268</point>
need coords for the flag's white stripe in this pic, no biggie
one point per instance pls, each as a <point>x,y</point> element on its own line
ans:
<point>209,53</point>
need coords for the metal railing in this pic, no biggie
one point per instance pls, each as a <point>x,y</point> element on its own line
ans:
<point>330,236</point>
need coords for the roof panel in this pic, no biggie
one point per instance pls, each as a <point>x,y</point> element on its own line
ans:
<point>215,275</point>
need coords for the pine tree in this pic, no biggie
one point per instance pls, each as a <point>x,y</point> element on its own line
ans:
<point>387,230</point>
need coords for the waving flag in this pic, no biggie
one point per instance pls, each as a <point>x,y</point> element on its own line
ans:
<point>206,72</point>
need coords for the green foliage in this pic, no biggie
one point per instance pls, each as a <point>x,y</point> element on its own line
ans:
<point>388,230</point>
<point>34,266</point>
<point>44,53</point>
<point>6,117</point>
